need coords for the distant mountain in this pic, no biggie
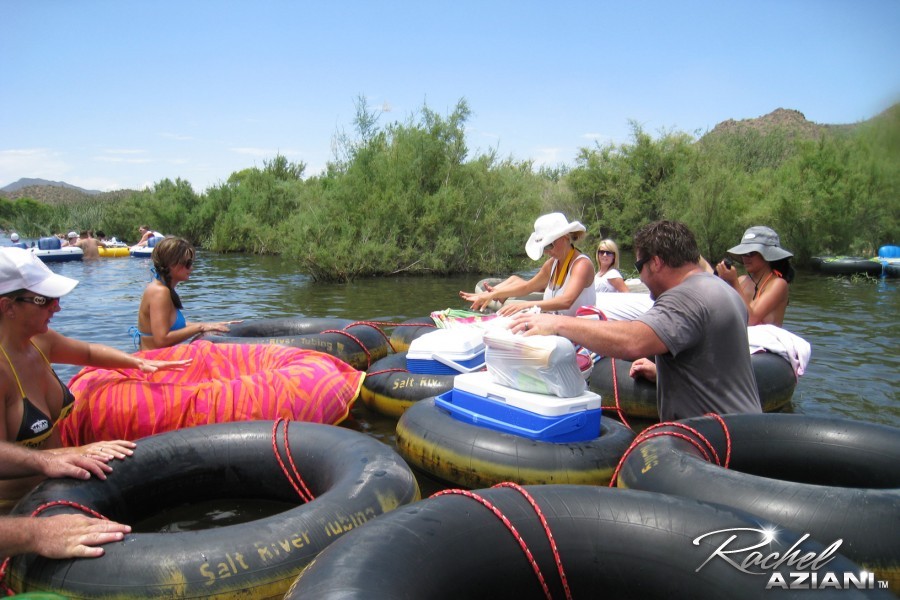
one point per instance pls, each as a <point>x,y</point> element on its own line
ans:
<point>29,182</point>
<point>56,192</point>
<point>792,123</point>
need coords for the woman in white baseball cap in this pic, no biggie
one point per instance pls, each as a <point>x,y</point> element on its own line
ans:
<point>33,397</point>
<point>765,286</point>
<point>566,277</point>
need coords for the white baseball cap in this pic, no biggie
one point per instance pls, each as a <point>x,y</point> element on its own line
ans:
<point>14,237</point>
<point>72,234</point>
<point>23,270</point>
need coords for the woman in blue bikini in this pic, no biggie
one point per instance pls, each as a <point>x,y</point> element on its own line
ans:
<point>33,397</point>
<point>160,320</point>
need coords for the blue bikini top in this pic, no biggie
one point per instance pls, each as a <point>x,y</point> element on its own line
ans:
<point>136,334</point>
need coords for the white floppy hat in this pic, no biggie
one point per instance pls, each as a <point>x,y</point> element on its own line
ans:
<point>548,229</point>
<point>761,239</point>
<point>14,237</point>
<point>72,234</point>
<point>23,270</point>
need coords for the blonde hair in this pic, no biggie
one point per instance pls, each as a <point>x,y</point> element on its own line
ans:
<point>610,245</point>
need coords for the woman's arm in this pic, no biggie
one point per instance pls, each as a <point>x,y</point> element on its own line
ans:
<point>582,276</point>
<point>773,296</point>
<point>618,282</point>
<point>770,298</point>
<point>161,313</point>
<point>61,349</point>
<point>510,288</point>
<point>19,461</point>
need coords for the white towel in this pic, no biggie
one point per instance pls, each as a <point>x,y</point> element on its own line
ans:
<point>782,342</point>
<point>623,307</point>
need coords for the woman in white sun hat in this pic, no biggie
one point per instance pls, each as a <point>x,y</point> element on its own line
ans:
<point>33,397</point>
<point>765,286</point>
<point>566,277</point>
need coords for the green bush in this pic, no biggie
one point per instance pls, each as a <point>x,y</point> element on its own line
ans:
<point>407,197</point>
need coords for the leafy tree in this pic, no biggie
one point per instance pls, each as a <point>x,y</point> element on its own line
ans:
<point>406,197</point>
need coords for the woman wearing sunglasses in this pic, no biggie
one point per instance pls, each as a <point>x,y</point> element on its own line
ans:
<point>160,320</point>
<point>33,398</point>
<point>566,279</point>
<point>608,278</point>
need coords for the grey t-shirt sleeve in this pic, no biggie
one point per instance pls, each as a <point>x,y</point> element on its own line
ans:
<point>678,318</point>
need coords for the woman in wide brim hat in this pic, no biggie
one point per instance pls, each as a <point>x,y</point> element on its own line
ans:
<point>566,278</point>
<point>33,396</point>
<point>765,286</point>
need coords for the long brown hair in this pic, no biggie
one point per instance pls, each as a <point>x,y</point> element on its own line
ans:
<point>167,253</point>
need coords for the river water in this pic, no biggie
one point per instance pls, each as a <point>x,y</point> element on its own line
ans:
<point>852,325</point>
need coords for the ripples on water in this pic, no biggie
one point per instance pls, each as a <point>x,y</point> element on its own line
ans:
<point>853,326</point>
<point>854,329</point>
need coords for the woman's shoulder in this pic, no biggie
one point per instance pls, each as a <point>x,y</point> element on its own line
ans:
<point>45,342</point>
<point>777,286</point>
<point>610,274</point>
<point>156,290</point>
<point>578,260</point>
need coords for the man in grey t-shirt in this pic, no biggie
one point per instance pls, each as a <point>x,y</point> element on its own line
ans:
<point>697,330</point>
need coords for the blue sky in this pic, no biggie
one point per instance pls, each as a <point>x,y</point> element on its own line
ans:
<point>122,94</point>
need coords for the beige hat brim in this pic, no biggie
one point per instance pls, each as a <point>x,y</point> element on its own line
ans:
<point>536,243</point>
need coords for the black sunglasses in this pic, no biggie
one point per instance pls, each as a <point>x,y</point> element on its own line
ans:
<point>37,300</point>
<point>639,265</point>
<point>605,253</point>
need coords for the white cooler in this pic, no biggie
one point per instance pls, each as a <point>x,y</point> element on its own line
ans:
<point>447,352</point>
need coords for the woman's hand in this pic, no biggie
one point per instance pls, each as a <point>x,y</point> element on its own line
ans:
<point>511,308</point>
<point>109,450</point>
<point>152,366</point>
<point>81,461</point>
<point>75,464</point>
<point>727,273</point>
<point>479,300</point>
<point>220,327</point>
<point>643,367</point>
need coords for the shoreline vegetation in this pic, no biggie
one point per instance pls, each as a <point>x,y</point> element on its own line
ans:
<point>408,198</point>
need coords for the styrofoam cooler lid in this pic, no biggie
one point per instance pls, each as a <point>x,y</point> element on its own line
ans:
<point>459,341</point>
<point>482,384</point>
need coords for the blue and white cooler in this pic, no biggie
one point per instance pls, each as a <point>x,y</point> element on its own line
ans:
<point>479,400</point>
<point>447,352</point>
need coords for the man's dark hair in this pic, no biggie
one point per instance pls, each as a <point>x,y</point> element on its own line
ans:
<point>671,241</point>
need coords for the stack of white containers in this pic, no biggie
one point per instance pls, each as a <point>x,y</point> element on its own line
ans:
<point>532,388</point>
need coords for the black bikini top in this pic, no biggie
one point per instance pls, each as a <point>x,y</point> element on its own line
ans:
<point>36,426</point>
